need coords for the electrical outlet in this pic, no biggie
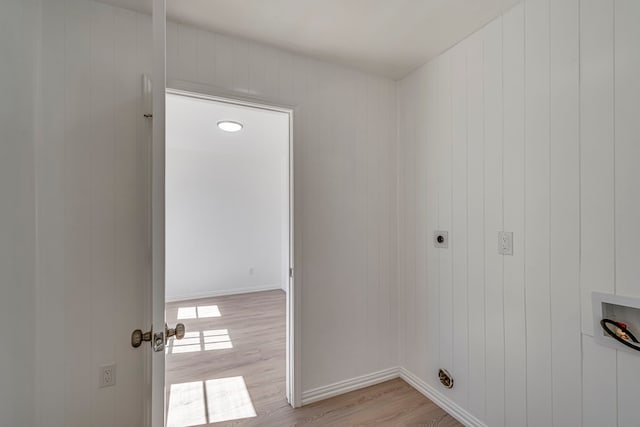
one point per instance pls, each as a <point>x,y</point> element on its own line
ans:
<point>505,243</point>
<point>108,376</point>
<point>251,271</point>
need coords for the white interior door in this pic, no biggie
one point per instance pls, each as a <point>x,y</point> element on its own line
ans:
<point>158,215</point>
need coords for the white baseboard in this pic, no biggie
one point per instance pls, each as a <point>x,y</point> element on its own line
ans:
<point>346,386</point>
<point>452,408</point>
<point>220,293</point>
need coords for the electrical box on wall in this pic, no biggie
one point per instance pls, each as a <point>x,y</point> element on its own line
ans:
<point>620,310</point>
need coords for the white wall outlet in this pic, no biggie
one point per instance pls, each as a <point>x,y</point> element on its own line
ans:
<point>505,243</point>
<point>107,376</point>
<point>441,239</point>
<point>251,271</point>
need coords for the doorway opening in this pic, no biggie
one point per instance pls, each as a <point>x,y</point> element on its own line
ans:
<point>228,238</point>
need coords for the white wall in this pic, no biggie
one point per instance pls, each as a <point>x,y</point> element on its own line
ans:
<point>226,203</point>
<point>345,177</point>
<point>18,38</point>
<point>530,125</point>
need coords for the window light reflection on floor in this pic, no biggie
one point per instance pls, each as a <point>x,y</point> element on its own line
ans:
<point>202,402</point>
<point>198,312</point>
<point>193,341</point>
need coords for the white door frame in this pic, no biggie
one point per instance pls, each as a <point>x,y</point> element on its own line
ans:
<point>293,295</point>
<point>156,374</point>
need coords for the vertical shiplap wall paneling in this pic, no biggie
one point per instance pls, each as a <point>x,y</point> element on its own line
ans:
<point>427,273</point>
<point>401,184</point>
<point>312,295</point>
<point>413,261</point>
<point>627,197</point>
<point>539,398</point>
<point>385,105</point>
<point>224,61</point>
<point>264,72</point>
<point>394,285</point>
<point>357,95</point>
<point>407,258</point>
<point>187,53</point>
<point>103,202</point>
<point>240,65</point>
<point>78,143</point>
<point>19,34</point>
<point>476,233</point>
<point>92,217</point>
<point>205,51</point>
<point>416,312</point>
<point>597,153</point>
<point>172,51</point>
<point>565,211</point>
<point>597,264</point>
<point>50,220</point>
<point>515,346</point>
<point>444,183</point>
<point>459,234</point>
<point>494,314</point>
<point>130,189</point>
<point>550,91</point>
<point>374,261</point>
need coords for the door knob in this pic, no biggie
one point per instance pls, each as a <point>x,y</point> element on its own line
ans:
<point>137,337</point>
<point>177,332</point>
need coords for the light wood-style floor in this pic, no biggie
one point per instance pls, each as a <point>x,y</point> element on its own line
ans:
<point>232,366</point>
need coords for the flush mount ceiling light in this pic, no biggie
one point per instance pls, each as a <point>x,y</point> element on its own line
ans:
<point>229,126</point>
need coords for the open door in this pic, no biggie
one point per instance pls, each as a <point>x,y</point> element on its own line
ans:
<point>156,332</point>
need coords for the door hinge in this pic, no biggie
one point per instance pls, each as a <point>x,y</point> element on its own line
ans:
<point>291,272</point>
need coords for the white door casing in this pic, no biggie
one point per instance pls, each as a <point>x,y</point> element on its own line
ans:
<point>158,210</point>
<point>293,300</point>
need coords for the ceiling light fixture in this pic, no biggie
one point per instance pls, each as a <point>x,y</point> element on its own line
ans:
<point>230,126</point>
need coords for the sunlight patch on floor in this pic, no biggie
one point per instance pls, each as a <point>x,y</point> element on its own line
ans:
<point>186,405</point>
<point>193,341</point>
<point>199,312</point>
<point>202,402</point>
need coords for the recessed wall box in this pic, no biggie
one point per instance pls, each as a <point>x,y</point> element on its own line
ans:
<point>619,309</point>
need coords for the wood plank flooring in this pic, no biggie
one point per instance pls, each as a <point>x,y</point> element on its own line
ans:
<point>238,341</point>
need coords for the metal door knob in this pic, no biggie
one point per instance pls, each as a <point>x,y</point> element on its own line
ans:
<point>177,332</point>
<point>138,337</point>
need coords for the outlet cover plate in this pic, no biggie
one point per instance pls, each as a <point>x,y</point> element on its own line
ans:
<point>107,376</point>
<point>505,243</point>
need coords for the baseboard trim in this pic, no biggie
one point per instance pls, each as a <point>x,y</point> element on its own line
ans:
<point>341,387</point>
<point>210,294</point>
<point>452,408</point>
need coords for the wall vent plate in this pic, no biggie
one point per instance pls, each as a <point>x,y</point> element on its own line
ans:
<point>445,378</point>
<point>441,239</point>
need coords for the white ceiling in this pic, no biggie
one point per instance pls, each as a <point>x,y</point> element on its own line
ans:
<point>384,37</point>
